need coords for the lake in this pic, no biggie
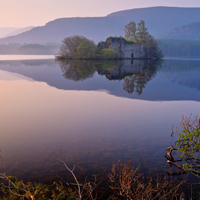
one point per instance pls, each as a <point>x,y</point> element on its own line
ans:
<point>100,112</point>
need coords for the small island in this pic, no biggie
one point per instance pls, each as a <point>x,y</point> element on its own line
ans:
<point>137,44</point>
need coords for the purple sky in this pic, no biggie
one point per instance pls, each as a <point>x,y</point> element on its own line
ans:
<point>22,13</point>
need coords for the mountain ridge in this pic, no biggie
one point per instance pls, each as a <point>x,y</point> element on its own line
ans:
<point>147,8</point>
<point>6,30</point>
<point>18,31</point>
<point>187,32</point>
<point>157,19</point>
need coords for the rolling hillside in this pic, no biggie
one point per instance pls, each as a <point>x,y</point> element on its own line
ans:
<point>186,32</point>
<point>6,30</point>
<point>158,20</point>
<point>18,31</point>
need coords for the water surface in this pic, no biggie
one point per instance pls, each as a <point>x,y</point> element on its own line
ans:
<point>100,111</point>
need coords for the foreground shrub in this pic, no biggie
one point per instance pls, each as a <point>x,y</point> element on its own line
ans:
<point>125,182</point>
<point>128,183</point>
<point>188,147</point>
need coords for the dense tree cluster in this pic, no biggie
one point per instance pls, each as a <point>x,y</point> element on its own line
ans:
<point>137,34</point>
<point>141,35</point>
<point>77,47</point>
<point>29,49</point>
<point>180,48</point>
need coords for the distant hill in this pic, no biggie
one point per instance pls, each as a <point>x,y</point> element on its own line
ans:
<point>6,30</point>
<point>97,29</point>
<point>29,49</point>
<point>186,32</point>
<point>158,20</point>
<point>18,31</point>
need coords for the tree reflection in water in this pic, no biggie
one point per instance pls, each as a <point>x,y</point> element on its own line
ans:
<point>77,70</point>
<point>135,73</point>
<point>137,81</point>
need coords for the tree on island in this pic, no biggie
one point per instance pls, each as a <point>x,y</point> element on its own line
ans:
<point>130,31</point>
<point>141,35</point>
<point>77,47</point>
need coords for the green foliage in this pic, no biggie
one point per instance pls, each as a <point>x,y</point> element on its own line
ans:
<point>111,37</point>
<point>188,144</point>
<point>130,31</point>
<point>86,50</point>
<point>77,47</point>
<point>129,41</point>
<point>17,190</point>
<point>108,54</point>
<point>136,34</point>
<point>142,34</point>
<point>100,43</point>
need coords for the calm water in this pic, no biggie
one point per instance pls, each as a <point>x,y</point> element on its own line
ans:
<point>100,111</point>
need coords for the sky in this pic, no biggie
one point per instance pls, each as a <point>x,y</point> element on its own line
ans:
<point>23,13</point>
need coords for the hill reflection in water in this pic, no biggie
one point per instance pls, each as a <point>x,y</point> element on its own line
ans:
<point>154,81</point>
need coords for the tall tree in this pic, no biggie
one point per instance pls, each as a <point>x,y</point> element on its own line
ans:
<point>130,31</point>
<point>142,34</point>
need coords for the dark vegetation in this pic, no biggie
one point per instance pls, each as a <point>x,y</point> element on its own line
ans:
<point>179,48</point>
<point>123,181</point>
<point>29,49</point>
<point>181,42</point>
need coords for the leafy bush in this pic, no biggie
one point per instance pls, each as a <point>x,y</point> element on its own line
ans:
<point>151,48</point>
<point>77,47</point>
<point>188,144</point>
<point>129,41</point>
<point>86,50</point>
<point>108,54</point>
